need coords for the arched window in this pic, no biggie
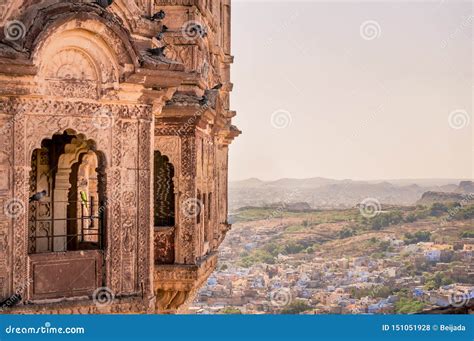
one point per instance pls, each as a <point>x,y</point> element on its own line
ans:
<point>66,195</point>
<point>164,200</point>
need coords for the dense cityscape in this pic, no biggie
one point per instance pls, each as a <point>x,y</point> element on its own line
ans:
<point>334,262</point>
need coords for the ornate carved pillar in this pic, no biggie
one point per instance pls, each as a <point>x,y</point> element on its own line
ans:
<point>145,204</point>
<point>187,233</point>
<point>20,194</point>
<point>114,217</point>
<point>129,199</point>
<point>6,189</point>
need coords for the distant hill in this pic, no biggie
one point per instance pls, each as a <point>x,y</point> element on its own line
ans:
<point>330,193</point>
<point>248,183</point>
<point>429,198</point>
<point>466,187</point>
<point>462,193</point>
<point>290,207</point>
<point>283,183</point>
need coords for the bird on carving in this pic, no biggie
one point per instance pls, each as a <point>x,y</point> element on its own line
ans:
<point>157,16</point>
<point>38,196</point>
<point>204,100</point>
<point>160,35</point>
<point>84,198</point>
<point>104,3</point>
<point>217,87</point>
<point>157,51</point>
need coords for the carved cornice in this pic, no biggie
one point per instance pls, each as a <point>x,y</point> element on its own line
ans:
<point>176,2</point>
<point>177,129</point>
<point>36,106</point>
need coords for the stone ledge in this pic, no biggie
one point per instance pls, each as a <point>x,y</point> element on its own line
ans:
<point>183,277</point>
<point>127,305</point>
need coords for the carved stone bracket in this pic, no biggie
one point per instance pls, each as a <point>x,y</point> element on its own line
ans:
<point>176,285</point>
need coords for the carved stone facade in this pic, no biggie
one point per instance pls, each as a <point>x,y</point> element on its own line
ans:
<point>88,102</point>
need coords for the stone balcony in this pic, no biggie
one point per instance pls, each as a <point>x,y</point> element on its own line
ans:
<point>175,286</point>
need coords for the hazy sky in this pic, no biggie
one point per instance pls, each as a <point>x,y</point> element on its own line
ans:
<point>320,93</point>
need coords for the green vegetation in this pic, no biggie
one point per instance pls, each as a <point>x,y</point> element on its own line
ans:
<point>381,220</point>
<point>231,311</point>
<point>452,211</point>
<point>309,218</point>
<point>255,213</point>
<point>268,253</point>
<point>386,219</point>
<point>378,247</point>
<point>467,234</point>
<point>408,306</point>
<point>384,246</point>
<point>295,228</point>
<point>465,212</point>
<point>438,209</point>
<point>296,307</point>
<point>417,237</point>
<point>256,257</point>
<point>346,233</point>
<point>376,292</point>
<point>306,235</point>
<point>436,280</point>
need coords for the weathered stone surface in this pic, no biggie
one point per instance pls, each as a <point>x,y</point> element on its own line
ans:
<point>95,80</point>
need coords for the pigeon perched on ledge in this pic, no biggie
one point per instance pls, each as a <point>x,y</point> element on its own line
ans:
<point>160,35</point>
<point>157,16</point>
<point>104,3</point>
<point>38,196</point>
<point>157,51</point>
<point>204,100</point>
